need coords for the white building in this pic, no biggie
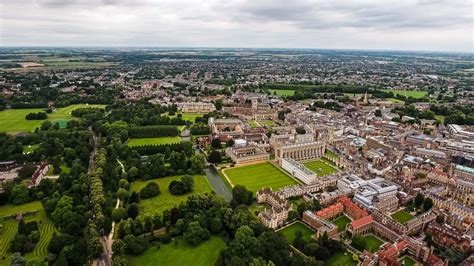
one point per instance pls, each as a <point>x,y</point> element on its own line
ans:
<point>298,170</point>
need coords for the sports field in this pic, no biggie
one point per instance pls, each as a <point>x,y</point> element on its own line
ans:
<point>165,200</point>
<point>409,93</point>
<point>282,92</point>
<point>290,231</point>
<point>153,141</point>
<point>341,259</point>
<point>341,222</point>
<point>402,216</point>
<point>180,253</point>
<point>13,120</point>
<point>320,168</point>
<point>10,228</point>
<point>257,176</point>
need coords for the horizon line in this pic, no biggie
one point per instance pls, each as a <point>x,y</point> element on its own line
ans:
<point>234,47</point>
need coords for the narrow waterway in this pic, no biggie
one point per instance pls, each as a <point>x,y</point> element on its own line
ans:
<point>217,183</point>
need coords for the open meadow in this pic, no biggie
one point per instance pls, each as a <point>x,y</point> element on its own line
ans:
<point>282,92</point>
<point>13,120</point>
<point>179,252</point>
<point>409,93</point>
<point>257,176</point>
<point>165,200</point>
<point>10,228</point>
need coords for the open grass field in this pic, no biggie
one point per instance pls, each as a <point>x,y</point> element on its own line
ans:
<point>179,252</point>
<point>407,261</point>
<point>253,123</point>
<point>409,93</point>
<point>10,228</point>
<point>191,116</point>
<point>268,123</point>
<point>165,200</point>
<point>402,216</point>
<point>341,259</point>
<point>282,92</point>
<point>153,141</point>
<point>341,222</point>
<point>290,231</point>
<point>393,100</point>
<point>257,176</point>
<point>440,118</point>
<point>320,168</point>
<point>373,243</point>
<point>13,120</point>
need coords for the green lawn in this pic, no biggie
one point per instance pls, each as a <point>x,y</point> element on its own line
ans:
<point>282,92</point>
<point>13,120</point>
<point>320,168</point>
<point>407,261</point>
<point>257,176</point>
<point>180,253</point>
<point>252,123</point>
<point>440,118</point>
<point>290,231</point>
<point>153,141</point>
<point>408,93</point>
<point>268,123</point>
<point>191,116</point>
<point>402,216</point>
<point>10,228</point>
<point>165,200</point>
<point>341,222</point>
<point>393,100</point>
<point>30,148</point>
<point>373,243</point>
<point>341,259</point>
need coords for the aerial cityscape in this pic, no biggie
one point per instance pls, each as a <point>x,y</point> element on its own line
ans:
<point>138,149</point>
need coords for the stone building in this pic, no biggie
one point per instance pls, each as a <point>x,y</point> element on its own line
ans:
<point>247,155</point>
<point>298,170</point>
<point>319,224</point>
<point>277,215</point>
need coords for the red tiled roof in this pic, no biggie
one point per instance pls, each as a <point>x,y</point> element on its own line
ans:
<point>362,221</point>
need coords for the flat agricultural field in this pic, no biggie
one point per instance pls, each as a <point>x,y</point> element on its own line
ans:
<point>409,93</point>
<point>341,222</point>
<point>282,92</point>
<point>290,231</point>
<point>10,228</point>
<point>257,176</point>
<point>320,168</point>
<point>402,216</point>
<point>165,200</point>
<point>179,252</point>
<point>153,141</point>
<point>341,259</point>
<point>13,120</point>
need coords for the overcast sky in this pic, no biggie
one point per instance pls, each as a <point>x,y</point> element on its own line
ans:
<point>439,25</point>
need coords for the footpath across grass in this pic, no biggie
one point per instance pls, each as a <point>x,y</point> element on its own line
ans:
<point>402,216</point>
<point>179,252</point>
<point>257,176</point>
<point>165,200</point>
